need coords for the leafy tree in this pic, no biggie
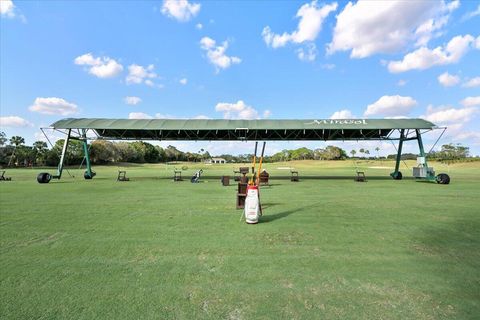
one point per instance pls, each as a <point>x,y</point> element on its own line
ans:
<point>102,151</point>
<point>5,154</point>
<point>24,156</point>
<point>353,152</point>
<point>151,153</point>
<point>301,154</point>
<point>162,156</point>
<point>377,149</point>
<point>452,152</point>
<point>126,153</point>
<point>74,151</point>
<point>3,138</point>
<point>173,154</point>
<point>139,152</point>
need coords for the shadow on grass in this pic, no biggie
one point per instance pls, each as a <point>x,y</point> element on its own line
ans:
<point>280,215</point>
<point>268,205</point>
<point>454,248</point>
<point>276,216</point>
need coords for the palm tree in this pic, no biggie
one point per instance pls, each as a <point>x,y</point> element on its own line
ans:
<point>353,152</point>
<point>377,149</point>
<point>367,152</point>
<point>40,148</point>
<point>17,140</point>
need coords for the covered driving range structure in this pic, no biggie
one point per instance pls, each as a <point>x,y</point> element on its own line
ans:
<point>401,130</point>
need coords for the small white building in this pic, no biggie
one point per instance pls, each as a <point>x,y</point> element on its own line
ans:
<point>215,160</point>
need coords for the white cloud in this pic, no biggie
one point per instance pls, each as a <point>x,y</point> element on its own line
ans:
<point>183,81</point>
<point>308,54</point>
<point>370,27</point>
<point>311,19</point>
<point>448,80</point>
<point>391,106</point>
<point>7,8</point>
<point>328,66</point>
<point>132,100</point>
<point>446,115</point>
<point>473,136</point>
<point>424,58</point>
<point>138,74</point>
<point>53,106</point>
<point>401,82</point>
<point>216,54</point>
<point>14,122</point>
<point>471,14</point>
<point>472,83</point>
<point>342,114</point>
<point>239,110</point>
<point>470,101</point>
<point>139,115</point>
<point>181,10</point>
<point>201,117</point>
<point>199,26</point>
<point>101,67</point>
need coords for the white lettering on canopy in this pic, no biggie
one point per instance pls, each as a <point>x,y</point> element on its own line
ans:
<point>336,121</point>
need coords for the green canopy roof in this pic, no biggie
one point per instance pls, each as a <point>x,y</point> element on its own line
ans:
<point>220,129</point>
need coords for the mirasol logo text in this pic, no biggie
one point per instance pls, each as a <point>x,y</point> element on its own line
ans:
<point>339,121</point>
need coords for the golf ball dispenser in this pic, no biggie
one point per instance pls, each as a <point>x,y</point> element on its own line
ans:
<point>422,171</point>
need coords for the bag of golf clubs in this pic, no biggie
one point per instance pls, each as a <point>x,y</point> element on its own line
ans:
<point>196,176</point>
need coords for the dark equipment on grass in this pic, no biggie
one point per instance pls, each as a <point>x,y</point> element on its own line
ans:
<point>122,176</point>
<point>443,178</point>
<point>3,178</point>
<point>360,177</point>
<point>263,177</point>
<point>196,177</point>
<point>88,175</point>
<point>44,177</point>
<point>225,181</point>
<point>177,175</point>
<point>397,175</point>
<point>294,176</point>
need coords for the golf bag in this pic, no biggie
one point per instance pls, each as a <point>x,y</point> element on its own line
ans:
<point>196,177</point>
<point>252,205</point>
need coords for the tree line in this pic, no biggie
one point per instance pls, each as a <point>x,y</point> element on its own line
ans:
<point>14,152</point>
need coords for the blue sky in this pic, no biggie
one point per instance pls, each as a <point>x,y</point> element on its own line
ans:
<point>241,59</point>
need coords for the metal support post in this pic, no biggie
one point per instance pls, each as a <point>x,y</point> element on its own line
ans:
<point>397,174</point>
<point>420,145</point>
<point>62,157</point>
<point>430,173</point>
<point>87,156</point>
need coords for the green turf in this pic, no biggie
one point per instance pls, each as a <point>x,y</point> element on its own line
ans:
<point>158,249</point>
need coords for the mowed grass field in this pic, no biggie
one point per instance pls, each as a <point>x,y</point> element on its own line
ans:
<point>326,247</point>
